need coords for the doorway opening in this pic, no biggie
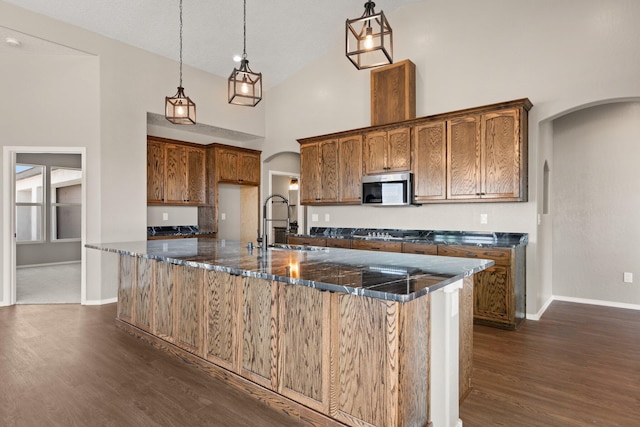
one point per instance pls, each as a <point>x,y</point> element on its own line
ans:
<point>44,256</point>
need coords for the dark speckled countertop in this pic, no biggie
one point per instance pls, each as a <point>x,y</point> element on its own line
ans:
<point>384,275</point>
<point>439,237</point>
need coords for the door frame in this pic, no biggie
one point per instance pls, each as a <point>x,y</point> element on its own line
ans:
<point>300,217</point>
<point>8,227</point>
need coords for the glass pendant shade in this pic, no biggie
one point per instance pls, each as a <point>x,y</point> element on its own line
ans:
<point>369,39</point>
<point>180,109</point>
<point>245,86</point>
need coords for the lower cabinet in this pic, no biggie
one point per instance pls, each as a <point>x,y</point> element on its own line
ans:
<point>188,315</point>
<point>222,294</point>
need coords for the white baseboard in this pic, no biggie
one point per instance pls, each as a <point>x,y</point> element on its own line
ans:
<point>48,264</point>
<point>100,301</point>
<point>597,302</point>
<point>537,316</point>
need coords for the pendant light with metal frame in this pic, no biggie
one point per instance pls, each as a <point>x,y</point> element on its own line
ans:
<point>245,86</point>
<point>369,39</point>
<point>180,109</point>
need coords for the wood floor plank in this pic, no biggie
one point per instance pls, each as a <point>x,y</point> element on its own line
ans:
<point>578,366</point>
<point>68,365</point>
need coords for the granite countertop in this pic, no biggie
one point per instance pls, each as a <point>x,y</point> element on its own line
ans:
<point>176,230</point>
<point>383,275</point>
<point>438,237</point>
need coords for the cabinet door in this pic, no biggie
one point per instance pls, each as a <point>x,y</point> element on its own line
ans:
<point>307,241</point>
<point>492,295</point>
<point>196,172</point>
<point>350,170</point>
<point>304,345</point>
<point>227,164</point>
<point>375,152</point>
<point>420,248</point>
<point>329,171</point>
<point>309,173</point>
<point>249,169</point>
<point>189,308</point>
<point>501,154</point>
<point>259,332</point>
<point>430,161</point>
<point>176,174</point>
<point>155,172</point>
<point>126,288</point>
<point>376,245</point>
<point>399,149</point>
<point>463,152</point>
<point>222,292</point>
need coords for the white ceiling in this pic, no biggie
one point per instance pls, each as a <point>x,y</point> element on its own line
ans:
<point>282,35</point>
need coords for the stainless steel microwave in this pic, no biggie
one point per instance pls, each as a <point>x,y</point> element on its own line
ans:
<point>389,189</point>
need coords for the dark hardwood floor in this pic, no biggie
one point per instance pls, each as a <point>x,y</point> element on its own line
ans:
<point>578,366</point>
<point>67,365</point>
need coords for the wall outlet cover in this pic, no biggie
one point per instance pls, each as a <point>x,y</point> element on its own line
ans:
<point>327,217</point>
<point>484,219</point>
<point>165,216</point>
<point>628,277</point>
<point>314,217</point>
<point>223,216</point>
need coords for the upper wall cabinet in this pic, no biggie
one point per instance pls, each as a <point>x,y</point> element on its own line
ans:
<point>473,155</point>
<point>387,150</point>
<point>175,174</point>
<point>487,156</point>
<point>238,166</point>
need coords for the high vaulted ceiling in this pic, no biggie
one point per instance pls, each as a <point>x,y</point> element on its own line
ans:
<point>282,35</point>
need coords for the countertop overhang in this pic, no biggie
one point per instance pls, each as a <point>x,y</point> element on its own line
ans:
<point>383,275</point>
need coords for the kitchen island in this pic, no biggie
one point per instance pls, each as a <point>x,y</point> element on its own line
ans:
<point>331,336</point>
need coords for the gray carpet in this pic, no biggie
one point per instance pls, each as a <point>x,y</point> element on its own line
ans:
<point>51,284</point>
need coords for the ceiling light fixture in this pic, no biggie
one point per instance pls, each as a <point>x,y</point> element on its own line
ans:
<point>245,86</point>
<point>180,109</point>
<point>369,39</point>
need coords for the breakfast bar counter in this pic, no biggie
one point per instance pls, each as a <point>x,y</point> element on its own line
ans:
<point>331,336</point>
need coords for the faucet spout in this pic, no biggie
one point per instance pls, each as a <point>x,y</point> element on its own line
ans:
<point>266,220</point>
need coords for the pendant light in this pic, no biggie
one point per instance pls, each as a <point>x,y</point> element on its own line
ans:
<point>369,39</point>
<point>245,86</point>
<point>180,109</point>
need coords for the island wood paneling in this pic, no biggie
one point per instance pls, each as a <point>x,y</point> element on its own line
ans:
<point>414,362</point>
<point>304,346</point>
<point>189,313</point>
<point>126,288</point>
<point>365,388</point>
<point>221,291</point>
<point>144,292</point>
<point>164,307</point>
<point>259,332</point>
<point>466,337</point>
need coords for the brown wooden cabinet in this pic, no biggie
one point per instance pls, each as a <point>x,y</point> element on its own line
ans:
<point>487,156</point>
<point>176,173</point>
<point>307,241</point>
<point>237,166</point>
<point>499,291</point>
<point>430,161</point>
<point>350,169</point>
<point>319,172</point>
<point>420,248</point>
<point>376,245</point>
<point>188,314</point>
<point>387,150</point>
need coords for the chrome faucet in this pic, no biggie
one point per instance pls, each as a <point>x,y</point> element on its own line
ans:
<point>264,239</point>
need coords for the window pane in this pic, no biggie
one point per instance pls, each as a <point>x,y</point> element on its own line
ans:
<point>29,184</point>
<point>66,185</point>
<point>65,222</point>
<point>28,223</point>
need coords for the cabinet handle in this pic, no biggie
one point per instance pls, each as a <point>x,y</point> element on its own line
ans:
<point>478,194</point>
<point>419,252</point>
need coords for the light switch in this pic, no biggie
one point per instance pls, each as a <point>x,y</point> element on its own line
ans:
<point>628,277</point>
<point>165,216</point>
<point>223,216</point>
<point>314,217</point>
<point>327,217</point>
<point>484,218</point>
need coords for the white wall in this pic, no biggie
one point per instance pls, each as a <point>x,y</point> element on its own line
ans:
<point>562,55</point>
<point>111,93</point>
<point>178,215</point>
<point>229,204</point>
<point>596,203</point>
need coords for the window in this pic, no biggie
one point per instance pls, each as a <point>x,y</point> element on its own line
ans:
<point>66,203</point>
<point>29,203</point>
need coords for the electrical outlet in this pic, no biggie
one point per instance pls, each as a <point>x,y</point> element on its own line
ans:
<point>223,216</point>
<point>484,219</point>
<point>165,216</point>
<point>314,217</point>
<point>628,277</point>
<point>327,217</point>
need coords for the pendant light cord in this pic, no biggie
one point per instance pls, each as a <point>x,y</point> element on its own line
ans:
<point>244,42</point>
<point>180,43</point>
